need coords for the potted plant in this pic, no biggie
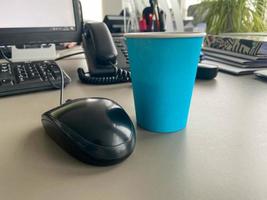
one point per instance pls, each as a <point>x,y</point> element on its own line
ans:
<point>224,16</point>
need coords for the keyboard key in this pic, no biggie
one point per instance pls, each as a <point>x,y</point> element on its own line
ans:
<point>120,45</point>
<point>6,82</point>
<point>29,81</point>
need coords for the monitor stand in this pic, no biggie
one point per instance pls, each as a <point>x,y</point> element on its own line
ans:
<point>34,53</point>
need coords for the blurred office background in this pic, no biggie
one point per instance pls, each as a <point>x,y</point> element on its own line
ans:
<point>219,16</point>
<point>97,9</point>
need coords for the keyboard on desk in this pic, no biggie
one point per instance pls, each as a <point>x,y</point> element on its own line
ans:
<point>17,78</point>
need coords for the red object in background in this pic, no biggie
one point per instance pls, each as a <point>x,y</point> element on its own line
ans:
<point>143,25</point>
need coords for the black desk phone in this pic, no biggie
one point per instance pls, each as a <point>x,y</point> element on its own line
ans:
<point>106,55</point>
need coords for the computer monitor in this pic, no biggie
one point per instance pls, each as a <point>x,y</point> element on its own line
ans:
<point>40,22</point>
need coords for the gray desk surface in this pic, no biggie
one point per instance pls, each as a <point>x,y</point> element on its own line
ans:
<point>221,155</point>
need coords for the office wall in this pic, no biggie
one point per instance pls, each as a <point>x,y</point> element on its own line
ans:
<point>97,9</point>
<point>92,10</point>
<point>112,7</point>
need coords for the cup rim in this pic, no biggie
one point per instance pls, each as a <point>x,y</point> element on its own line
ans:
<point>165,35</point>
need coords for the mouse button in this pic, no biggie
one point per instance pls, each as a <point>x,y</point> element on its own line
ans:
<point>74,107</point>
<point>119,116</point>
<point>120,130</point>
<point>121,122</point>
<point>81,106</point>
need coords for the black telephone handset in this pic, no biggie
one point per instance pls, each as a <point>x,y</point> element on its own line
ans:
<point>101,55</point>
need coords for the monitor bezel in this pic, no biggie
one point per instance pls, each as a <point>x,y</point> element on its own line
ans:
<point>44,35</point>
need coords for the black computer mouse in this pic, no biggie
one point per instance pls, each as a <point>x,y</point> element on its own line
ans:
<point>96,131</point>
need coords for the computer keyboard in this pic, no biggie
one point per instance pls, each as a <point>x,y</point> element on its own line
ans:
<point>17,78</point>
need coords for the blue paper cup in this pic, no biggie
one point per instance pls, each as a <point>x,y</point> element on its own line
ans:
<point>163,67</point>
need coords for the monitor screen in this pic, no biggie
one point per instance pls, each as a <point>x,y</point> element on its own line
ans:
<point>39,21</point>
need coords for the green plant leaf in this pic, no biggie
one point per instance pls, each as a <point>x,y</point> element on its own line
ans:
<point>233,15</point>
